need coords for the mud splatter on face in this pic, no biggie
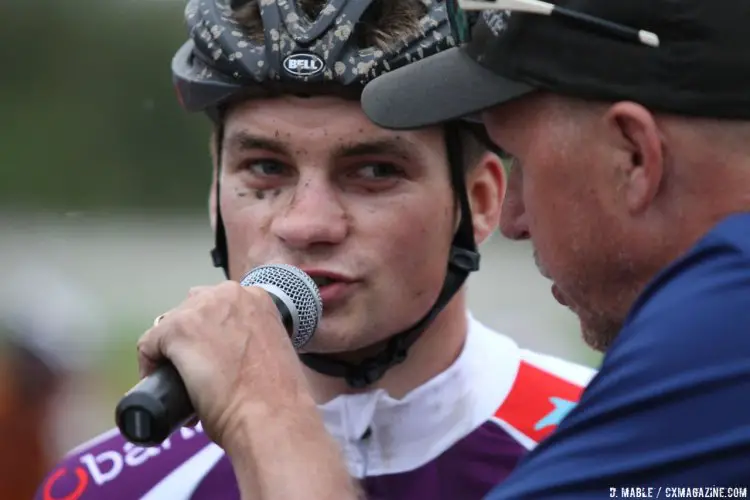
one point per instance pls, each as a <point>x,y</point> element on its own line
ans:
<point>260,194</point>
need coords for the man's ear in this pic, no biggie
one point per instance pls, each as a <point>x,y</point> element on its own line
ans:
<point>637,134</point>
<point>485,184</point>
<point>213,148</point>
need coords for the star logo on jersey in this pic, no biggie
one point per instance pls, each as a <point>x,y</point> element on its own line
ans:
<point>553,418</point>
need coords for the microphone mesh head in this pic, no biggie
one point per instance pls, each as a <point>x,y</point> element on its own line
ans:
<point>301,290</point>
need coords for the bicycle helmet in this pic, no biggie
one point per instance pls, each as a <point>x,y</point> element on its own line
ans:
<point>315,47</point>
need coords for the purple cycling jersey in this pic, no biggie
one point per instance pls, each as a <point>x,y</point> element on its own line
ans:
<point>454,437</point>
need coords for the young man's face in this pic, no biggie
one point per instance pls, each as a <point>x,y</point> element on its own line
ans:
<point>313,183</point>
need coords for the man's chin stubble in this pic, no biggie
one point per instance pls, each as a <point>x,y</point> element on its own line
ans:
<point>602,336</point>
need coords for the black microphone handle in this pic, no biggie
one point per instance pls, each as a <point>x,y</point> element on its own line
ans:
<point>153,409</point>
<point>159,404</point>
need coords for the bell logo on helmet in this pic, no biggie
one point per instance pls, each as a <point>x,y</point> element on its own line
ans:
<point>303,64</point>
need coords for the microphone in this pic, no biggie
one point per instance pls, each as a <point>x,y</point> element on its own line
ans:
<point>159,404</point>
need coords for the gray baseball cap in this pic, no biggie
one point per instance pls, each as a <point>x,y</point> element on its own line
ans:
<point>679,56</point>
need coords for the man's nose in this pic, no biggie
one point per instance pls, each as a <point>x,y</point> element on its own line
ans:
<point>513,219</point>
<point>313,215</point>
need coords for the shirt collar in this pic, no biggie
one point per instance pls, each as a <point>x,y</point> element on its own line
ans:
<point>382,435</point>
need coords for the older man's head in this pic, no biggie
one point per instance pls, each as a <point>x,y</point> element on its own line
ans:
<point>624,153</point>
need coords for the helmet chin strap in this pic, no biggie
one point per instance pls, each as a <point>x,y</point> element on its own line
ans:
<point>463,259</point>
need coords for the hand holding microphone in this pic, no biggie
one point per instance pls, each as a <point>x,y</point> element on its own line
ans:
<point>224,348</point>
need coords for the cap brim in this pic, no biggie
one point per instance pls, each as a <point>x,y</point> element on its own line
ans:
<point>439,88</point>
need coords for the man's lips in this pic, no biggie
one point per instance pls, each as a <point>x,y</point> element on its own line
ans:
<point>558,295</point>
<point>323,277</point>
<point>556,292</point>
<point>334,287</point>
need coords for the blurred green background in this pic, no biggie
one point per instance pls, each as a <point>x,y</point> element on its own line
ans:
<point>103,177</point>
<point>90,117</point>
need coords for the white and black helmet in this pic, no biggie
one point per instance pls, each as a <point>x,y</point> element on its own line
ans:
<point>224,61</point>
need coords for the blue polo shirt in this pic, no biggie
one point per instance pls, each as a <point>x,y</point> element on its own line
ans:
<point>670,408</point>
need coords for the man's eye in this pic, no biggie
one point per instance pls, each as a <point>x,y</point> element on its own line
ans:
<point>266,167</point>
<point>379,171</point>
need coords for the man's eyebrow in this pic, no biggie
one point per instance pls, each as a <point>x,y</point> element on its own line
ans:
<point>398,147</point>
<point>243,141</point>
<point>402,148</point>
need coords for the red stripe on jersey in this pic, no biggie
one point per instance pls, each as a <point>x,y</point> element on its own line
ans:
<point>537,401</point>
